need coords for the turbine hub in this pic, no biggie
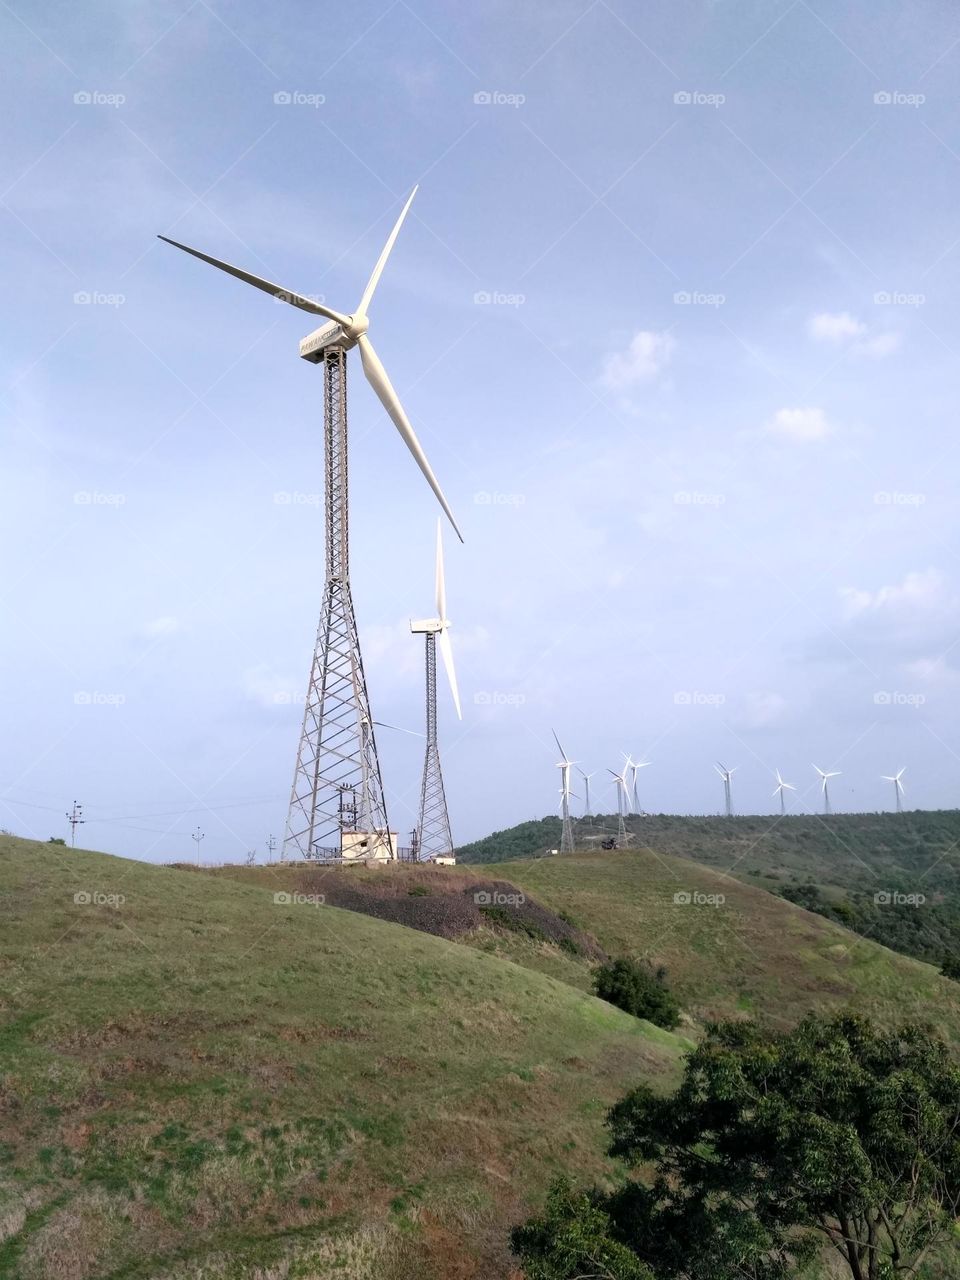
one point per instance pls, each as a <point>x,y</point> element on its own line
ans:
<point>356,326</point>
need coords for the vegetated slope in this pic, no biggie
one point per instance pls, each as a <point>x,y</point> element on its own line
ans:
<point>837,865</point>
<point>195,1078</point>
<point>752,953</point>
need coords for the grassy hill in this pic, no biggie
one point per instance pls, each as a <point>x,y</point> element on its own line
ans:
<point>195,1080</point>
<point>753,953</point>
<point>833,865</point>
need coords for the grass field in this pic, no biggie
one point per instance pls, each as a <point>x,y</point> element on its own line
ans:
<point>196,1081</point>
<point>753,954</point>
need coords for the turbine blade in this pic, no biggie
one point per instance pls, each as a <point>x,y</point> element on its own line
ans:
<point>563,754</point>
<point>377,377</point>
<point>278,291</point>
<point>382,260</point>
<point>443,639</point>
<point>441,586</point>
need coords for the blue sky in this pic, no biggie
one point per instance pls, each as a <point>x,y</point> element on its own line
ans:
<point>701,438</point>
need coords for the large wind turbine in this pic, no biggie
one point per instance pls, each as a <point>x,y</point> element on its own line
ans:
<point>726,774</point>
<point>337,806</point>
<point>433,828</point>
<point>824,777</point>
<point>636,766</point>
<point>622,802</point>
<point>781,787</point>
<point>565,765</point>
<point>586,783</point>
<point>897,786</point>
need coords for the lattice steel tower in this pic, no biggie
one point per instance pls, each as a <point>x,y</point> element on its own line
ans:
<point>433,826</point>
<point>337,807</point>
<point>337,789</point>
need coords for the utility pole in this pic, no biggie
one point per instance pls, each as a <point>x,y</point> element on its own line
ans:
<point>198,835</point>
<point>271,845</point>
<point>76,819</point>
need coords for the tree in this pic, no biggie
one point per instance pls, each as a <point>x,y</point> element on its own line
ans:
<point>774,1144</point>
<point>950,968</point>
<point>633,987</point>
<point>572,1238</point>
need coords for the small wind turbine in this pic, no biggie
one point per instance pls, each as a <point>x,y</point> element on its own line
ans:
<point>823,786</point>
<point>897,786</point>
<point>586,790</point>
<point>781,787</point>
<point>726,774</point>
<point>636,766</point>
<point>564,765</point>
<point>433,828</point>
<point>622,802</point>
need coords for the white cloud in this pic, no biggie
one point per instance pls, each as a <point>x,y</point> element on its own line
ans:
<point>160,627</point>
<point>884,344</point>
<point>643,359</point>
<point>827,327</point>
<point>919,590</point>
<point>800,424</point>
<point>841,327</point>
<point>263,685</point>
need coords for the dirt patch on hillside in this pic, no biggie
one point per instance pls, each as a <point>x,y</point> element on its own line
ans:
<point>433,901</point>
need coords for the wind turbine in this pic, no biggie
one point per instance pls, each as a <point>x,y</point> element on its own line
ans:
<point>434,840</point>
<point>823,786</point>
<point>636,766</point>
<point>726,774</point>
<point>564,765</point>
<point>622,802</point>
<point>897,786</point>
<point>780,789</point>
<point>337,806</point>
<point>586,784</point>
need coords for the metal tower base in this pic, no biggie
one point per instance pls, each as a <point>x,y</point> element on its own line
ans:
<point>337,807</point>
<point>433,829</point>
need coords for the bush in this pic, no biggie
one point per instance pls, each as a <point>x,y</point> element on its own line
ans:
<point>951,967</point>
<point>56,840</point>
<point>636,989</point>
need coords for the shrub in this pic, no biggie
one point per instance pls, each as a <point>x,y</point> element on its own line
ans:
<point>637,989</point>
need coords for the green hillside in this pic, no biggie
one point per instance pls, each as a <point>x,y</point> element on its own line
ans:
<point>837,866</point>
<point>752,953</point>
<point>195,1080</point>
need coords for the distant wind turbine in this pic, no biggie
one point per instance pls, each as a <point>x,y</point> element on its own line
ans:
<point>636,766</point>
<point>897,786</point>
<point>564,765</point>
<point>726,774</point>
<point>823,786</point>
<point>622,802</point>
<point>781,787</point>
<point>586,790</point>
